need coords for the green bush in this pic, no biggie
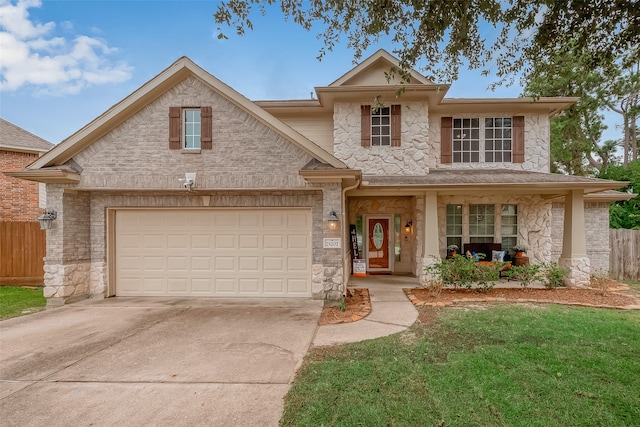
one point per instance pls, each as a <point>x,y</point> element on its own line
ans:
<point>553,275</point>
<point>462,272</point>
<point>525,274</point>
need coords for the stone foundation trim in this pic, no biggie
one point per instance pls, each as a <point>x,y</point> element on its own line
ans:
<point>63,281</point>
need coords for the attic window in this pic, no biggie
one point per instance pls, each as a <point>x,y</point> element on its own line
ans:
<point>190,128</point>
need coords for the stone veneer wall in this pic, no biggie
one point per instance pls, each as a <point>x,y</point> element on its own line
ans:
<point>534,222</point>
<point>411,158</point>
<point>596,219</point>
<point>67,266</point>
<point>405,207</point>
<point>536,134</point>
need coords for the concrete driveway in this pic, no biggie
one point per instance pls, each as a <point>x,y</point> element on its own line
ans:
<point>154,361</point>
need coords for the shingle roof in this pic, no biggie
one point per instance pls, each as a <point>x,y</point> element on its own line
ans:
<point>487,177</point>
<point>14,137</point>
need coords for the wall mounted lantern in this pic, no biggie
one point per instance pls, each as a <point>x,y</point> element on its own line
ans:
<point>47,218</point>
<point>333,220</point>
<point>407,227</point>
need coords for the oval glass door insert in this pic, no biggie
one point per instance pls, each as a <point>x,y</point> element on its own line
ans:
<point>378,235</point>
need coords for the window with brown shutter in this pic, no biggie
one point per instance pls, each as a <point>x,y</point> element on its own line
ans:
<point>518,139</point>
<point>395,125</point>
<point>175,130</point>
<point>206,137</point>
<point>190,128</point>
<point>446,139</point>
<point>365,125</point>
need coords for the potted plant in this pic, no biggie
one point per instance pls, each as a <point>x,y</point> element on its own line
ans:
<point>452,249</point>
<point>519,249</point>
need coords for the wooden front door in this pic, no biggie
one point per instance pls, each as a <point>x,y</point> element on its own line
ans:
<point>378,243</point>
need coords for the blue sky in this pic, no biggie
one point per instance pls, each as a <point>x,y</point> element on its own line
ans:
<point>65,62</point>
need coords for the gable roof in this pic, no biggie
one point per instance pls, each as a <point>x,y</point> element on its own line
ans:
<point>14,138</point>
<point>371,68</point>
<point>175,73</point>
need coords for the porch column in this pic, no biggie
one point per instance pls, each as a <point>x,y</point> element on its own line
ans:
<point>574,249</point>
<point>431,240</point>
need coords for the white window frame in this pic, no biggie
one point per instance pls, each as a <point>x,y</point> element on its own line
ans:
<point>380,126</point>
<point>476,139</point>
<point>191,129</point>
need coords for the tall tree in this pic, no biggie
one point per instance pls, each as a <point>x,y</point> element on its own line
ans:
<point>449,34</point>
<point>576,134</point>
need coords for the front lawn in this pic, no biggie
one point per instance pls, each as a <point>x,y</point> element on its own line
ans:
<point>482,365</point>
<point>16,301</point>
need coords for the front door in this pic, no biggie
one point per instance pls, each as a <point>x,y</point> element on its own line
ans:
<point>378,244</point>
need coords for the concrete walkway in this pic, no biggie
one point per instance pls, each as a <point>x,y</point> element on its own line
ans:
<point>391,312</point>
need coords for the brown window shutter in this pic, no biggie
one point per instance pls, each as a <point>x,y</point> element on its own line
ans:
<point>206,138</point>
<point>365,125</point>
<point>518,139</point>
<point>395,125</point>
<point>175,130</point>
<point>446,136</point>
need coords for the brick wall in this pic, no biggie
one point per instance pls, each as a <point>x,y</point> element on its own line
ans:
<point>18,198</point>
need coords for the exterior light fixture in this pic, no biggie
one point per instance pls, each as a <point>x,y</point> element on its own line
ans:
<point>407,227</point>
<point>333,220</point>
<point>47,218</point>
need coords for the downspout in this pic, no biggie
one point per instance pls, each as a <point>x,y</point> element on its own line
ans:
<point>346,237</point>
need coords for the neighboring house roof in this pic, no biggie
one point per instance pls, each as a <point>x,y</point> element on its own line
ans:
<point>178,71</point>
<point>478,179</point>
<point>14,138</point>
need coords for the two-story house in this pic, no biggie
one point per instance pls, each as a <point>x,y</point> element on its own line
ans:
<point>187,188</point>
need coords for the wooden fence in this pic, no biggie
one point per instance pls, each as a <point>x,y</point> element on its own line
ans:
<point>625,254</point>
<point>22,249</point>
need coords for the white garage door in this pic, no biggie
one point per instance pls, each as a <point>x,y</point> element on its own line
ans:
<point>222,252</point>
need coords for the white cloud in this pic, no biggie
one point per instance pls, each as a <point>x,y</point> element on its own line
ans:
<point>33,55</point>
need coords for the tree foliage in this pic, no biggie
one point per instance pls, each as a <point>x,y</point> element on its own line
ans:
<point>450,34</point>
<point>624,214</point>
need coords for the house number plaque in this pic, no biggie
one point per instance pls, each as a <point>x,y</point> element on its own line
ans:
<point>332,243</point>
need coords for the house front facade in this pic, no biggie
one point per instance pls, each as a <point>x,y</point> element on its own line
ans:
<point>186,188</point>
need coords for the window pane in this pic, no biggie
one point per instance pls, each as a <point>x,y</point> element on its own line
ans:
<point>497,139</point>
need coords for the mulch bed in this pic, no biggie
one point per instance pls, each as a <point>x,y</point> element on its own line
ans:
<point>613,297</point>
<point>358,306</point>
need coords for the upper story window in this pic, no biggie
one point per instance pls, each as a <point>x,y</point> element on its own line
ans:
<point>478,140</point>
<point>380,126</point>
<point>497,139</point>
<point>466,140</point>
<point>190,128</point>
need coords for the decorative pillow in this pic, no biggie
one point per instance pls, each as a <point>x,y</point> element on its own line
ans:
<point>498,256</point>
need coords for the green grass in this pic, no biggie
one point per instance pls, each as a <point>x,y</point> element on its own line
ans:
<point>16,301</point>
<point>503,366</point>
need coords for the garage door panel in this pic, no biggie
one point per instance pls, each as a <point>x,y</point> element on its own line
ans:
<point>213,252</point>
<point>154,241</point>
<point>201,264</point>
<point>177,285</point>
<point>177,241</point>
<point>201,241</point>
<point>248,286</point>
<point>225,241</point>
<point>299,241</point>
<point>249,241</point>
<point>272,241</point>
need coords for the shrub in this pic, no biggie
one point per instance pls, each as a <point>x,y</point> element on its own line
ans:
<point>525,274</point>
<point>460,271</point>
<point>553,275</point>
